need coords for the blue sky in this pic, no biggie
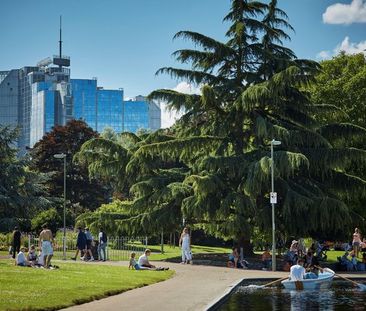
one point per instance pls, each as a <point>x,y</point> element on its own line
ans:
<point>124,42</point>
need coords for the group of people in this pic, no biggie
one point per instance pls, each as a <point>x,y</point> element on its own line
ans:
<point>349,261</point>
<point>236,260</point>
<point>32,259</point>
<point>85,242</point>
<point>143,262</point>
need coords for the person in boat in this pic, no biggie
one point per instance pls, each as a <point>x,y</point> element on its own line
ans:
<point>297,272</point>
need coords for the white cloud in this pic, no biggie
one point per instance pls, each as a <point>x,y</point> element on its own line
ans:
<point>323,55</point>
<point>168,118</point>
<point>339,13</point>
<point>186,88</point>
<point>350,47</point>
<point>345,46</point>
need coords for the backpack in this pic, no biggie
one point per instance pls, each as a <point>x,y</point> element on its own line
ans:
<point>104,237</point>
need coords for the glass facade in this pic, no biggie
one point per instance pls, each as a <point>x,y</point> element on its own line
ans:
<point>136,116</point>
<point>50,106</point>
<point>110,110</point>
<point>84,93</point>
<point>36,98</point>
<point>9,95</point>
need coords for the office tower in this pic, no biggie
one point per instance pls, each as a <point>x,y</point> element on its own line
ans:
<point>37,98</point>
<point>140,113</point>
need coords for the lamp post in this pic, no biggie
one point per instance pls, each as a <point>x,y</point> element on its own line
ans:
<point>63,156</point>
<point>273,200</point>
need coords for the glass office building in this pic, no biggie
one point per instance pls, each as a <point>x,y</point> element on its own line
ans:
<point>140,113</point>
<point>99,108</point>
<point>36,98</point>
<point>84,94</point>
<point>110,110</point>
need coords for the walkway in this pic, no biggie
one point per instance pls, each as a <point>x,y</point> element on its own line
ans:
<point>192,288</point>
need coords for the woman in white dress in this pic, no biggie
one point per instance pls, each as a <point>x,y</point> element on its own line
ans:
<point>185,244</point>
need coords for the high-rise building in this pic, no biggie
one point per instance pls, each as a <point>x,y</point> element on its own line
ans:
<point>37,98</point>
<point>98,107</point>
<point>140,113</point>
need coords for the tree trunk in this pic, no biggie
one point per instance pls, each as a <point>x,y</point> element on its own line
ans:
<point>247,246</point>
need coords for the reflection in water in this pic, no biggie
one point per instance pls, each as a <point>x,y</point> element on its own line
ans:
<point>341,296</point>
<point>312,299</point>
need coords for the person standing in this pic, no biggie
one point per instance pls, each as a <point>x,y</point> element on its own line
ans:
<point>16,241</point>
<point>89,243</point>
<point>185,244</point>
<point>45,243</point>
<point>102,244</point>
<point>80,244</point>
<point>356,241</point>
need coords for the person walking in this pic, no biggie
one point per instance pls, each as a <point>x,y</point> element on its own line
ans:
<point>102,244</point>
<point>80,244</point>
<point>45,243</point>
<point>89,244</point>
<point>16,241</point>
<point>185,244</point>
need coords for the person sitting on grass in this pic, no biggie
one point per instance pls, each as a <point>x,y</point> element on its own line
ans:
<point>266,259</point>
<point>32,255</point>
<point>143,262</point>
<point>144,259</point>
<point>20,259</point>
<point>133,263</point>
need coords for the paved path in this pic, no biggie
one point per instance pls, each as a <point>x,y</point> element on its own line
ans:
<point>192,288</point>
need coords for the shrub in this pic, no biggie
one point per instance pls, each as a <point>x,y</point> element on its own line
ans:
<point>49,217</point>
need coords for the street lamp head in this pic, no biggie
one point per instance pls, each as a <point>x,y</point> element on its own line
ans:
<point>275,142</point>
<point>59,155</point>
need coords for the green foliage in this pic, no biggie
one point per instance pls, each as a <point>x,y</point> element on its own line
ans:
<point>22,191</point>
<point>50,217</point>
<point>341,83</point>
<point>82,193</point>
<point>213,167</point>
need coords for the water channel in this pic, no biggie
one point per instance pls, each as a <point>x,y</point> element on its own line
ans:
<point>341,296</point>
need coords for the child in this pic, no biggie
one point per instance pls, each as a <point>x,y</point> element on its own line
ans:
<point>134,264</point>
<point>20,259</point>
<point>32,256</point>
<point>40,261</point>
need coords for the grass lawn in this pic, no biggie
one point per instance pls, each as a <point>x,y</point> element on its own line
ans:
<point>172,252</point>
<point>73,283</point>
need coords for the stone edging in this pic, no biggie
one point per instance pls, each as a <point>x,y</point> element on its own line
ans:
<point>217,302</point>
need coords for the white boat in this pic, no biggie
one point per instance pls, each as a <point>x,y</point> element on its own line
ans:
<point>324,280</point>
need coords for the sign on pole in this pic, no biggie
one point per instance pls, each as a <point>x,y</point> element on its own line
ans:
<point>273,197</point>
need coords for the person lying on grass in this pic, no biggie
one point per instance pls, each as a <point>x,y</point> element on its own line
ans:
<point>143,262</point>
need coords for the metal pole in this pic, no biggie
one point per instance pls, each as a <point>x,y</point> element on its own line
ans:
<point>273,213</point>
<point>64,237</point>
<point>162,241</point>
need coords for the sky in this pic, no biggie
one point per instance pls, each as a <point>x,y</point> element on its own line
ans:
<point>124,42</point>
